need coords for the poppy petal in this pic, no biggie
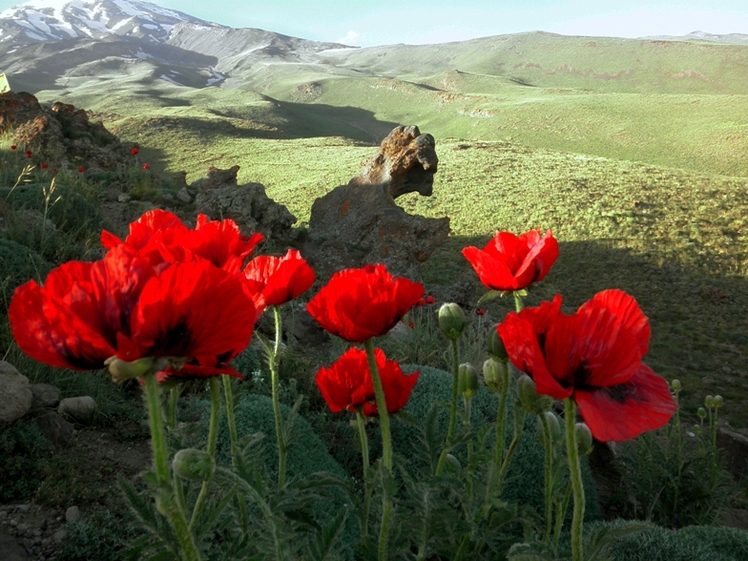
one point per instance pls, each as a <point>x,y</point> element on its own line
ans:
<point>629,313</point>
<point>492,272</point>
<point>625,411</point>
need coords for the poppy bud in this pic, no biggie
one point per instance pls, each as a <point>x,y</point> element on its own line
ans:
<point>452,321</point>
<point>530,399</point>
<point>709,401</point>
<point>553,426</point>
<point>701,413</point>
<point>718,401</point>
<point>123,370</point>
<point>675,384</point>
<point>696,430</point>
<point>493,374</point>
<point>453,463</point>
<point>193,465</point>
<point>584,439</point>
<point>467,380</point>
<point>496,346</point>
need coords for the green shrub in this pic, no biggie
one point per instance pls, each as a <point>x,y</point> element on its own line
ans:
<point>18,264</point>
<point>100,535</point>
<point>694,543</point>
<point>525,484</point>
<point>25,455</point>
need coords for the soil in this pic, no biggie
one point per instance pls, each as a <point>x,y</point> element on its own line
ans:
<point>32,532</point>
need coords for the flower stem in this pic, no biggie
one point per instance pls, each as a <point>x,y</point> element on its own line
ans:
<point>170,505</point>
<point>273,362</point>
<point>500,445</point>
<point>215,413</point>
<point>452,407</point>
<point>517,301</point>
<point>548,441</point>
<point>228,395</point>
<point>360,424</point>
<point>466,423</point>
<point>575,475</point>
<point>384,421</point>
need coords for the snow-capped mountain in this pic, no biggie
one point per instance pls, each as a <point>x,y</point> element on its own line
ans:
<point>54,20</point>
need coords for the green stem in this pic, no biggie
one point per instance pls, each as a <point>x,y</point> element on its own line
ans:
<point>561,508</point>
<point>548,479</point>
<point>170,504</point>
<point>273,361</point>
<point>517,301</point>
<point>215,414</point>
<point>500,445</point>
<point>466,423</point>
<point>384,421</point>
<point>228,394</point>
<point>171,419</point>
<point>360,424</point>
<point>452,408</point>
<point>575,475</point>
<point>519,425</point>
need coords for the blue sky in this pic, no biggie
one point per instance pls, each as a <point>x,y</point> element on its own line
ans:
<point>377,22</point>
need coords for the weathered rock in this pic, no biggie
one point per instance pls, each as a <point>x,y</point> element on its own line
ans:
<point>45,394</point>
<point>248,206</point>
<point>72,514</point>
<point>360,223</point>
<point>183,195</point>
<point>77,408</point>
<point>216,178</point>
<point>61,135</point>
<point>16,393</point>
<point>734,443</point>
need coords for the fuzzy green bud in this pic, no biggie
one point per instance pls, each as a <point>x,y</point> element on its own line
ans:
<point>530,399</point>
<point>122,370</point>
<point>193,465</point>
<point>696,430</point>
<point>467,380</point>
<point>493,374</point>
<point>701,413</point>
<point>584,439</point>
<point>453,463</point>
<point>553,427</point>
<point>452,321</point>
<point>496,346</point>
<point>709,401</point>
<point>718,401</point>
<point>676,385</point>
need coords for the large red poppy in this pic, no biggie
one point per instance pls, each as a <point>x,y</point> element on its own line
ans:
<point>122,306</point>
<point>277,280</point>
<point>347,384</point>
<point>510,262</point>
<point>161,236</point>
<point>594,356</point>
<point>357,304</point>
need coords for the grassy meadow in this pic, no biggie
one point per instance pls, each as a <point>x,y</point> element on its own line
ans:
<point>632,152</point>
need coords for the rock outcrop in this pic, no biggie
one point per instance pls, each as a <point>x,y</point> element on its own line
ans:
<point>360,223</point>
<point>60,135</point>
<point>219,196</point>
<point>15,390</point>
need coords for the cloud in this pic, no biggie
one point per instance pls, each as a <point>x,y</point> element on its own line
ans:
<point>351,38</point>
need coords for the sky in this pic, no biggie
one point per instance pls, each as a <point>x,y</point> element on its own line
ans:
<point>367,23</point>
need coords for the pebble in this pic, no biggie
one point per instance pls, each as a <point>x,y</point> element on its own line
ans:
<point>72,514</point>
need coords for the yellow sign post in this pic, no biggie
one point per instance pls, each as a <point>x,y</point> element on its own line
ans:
<point>4,85</point>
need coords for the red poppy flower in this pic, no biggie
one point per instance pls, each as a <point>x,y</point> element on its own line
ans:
<point>81,169</point>
<point>277,280</point>
<point>13,146</point>
<point>121,306</point>
<point>411,325</point>
<point>54,170</point>
<point>161,236</point>
<point>594,356</point>
<point>347,383</point>
<point>146,167</point>
<point>429,300</point>
<point>421,302</point>
<point>45,166</point>
<point>29,153</point>
<point>480,311</point>
<point>510,262</point>
<point>357,304</point>
<point>134,151</point>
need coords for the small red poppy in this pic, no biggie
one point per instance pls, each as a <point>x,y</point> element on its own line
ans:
<point>29,153</point>
<point>411,324</point>
<point>347,384</point>
<point>510,262</point>
<point>81,169</point>
<point>421,302</point>
<point>594,356</point>
<point>358,304</point>
<point>45,166</point>
<point>134,151</point>
<point>277,280</point>
<point>146,167</point>
<point>480,311</point>
<point>429,300</point>
<point>13,146</point>
<point>54,170</point>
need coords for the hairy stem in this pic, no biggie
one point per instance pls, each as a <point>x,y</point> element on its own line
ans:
<point>575,475</point>
<point>452,407</point>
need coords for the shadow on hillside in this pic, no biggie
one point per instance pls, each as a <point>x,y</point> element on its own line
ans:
<point>287,121</point>
<point>699,320</point>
